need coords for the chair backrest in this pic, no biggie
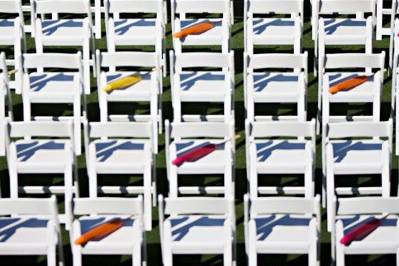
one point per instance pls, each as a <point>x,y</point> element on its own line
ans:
<point>29,206</point>
<point>120,129</point>
<point>275,6</point>
<point>284,61</point>
<point>359,129</point>
<point>344,7</point>
<point>62,6</point>
<point>128,59</point>
<point>268,129</point>
<point>60,129</point>
<point>108,205</point>
<point>52,60</point>
<point>199,205</point>
<point>284,205</point>
<point>134,6</point>
<point>200,129</point>
<point>353,60</point>
<point>200,6</point>
<point>367,205</point>
<point>11,6</point>
<point>202,60</point>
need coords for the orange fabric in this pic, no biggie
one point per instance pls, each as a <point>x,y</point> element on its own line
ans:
<point>194,30</point>
<point>348,84</point>
<point>100,231</point>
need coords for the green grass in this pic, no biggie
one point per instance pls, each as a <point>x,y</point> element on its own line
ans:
<point>154,256</point>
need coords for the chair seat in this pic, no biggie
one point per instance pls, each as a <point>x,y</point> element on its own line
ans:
<point>122,155</point>
<point>64,32</point>
<point>281,156</point>
<point>363,93</point>
<point>43,156</point>
<point>277,87</point>
<point>282,233</point>
<point>345,31</point>
<point>141,31</point>
<point>26,235</point>
<point>141,91</point>
<point>53,87</point>
<point>213,162</point>
<point>121,241</point>
<point>197,234</point>
<point>213,36</point>
<point>357,156</point>
<point>274,31</point>
<point>8,34</point>
<point>205,86</point>
<point>380,241</point>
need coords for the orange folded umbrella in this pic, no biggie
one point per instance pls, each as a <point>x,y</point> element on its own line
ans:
<point>100,231</point>
<point>348,84</point>
<point>194,29</point>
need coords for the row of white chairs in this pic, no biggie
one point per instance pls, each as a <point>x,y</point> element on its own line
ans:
<point>199,225</point>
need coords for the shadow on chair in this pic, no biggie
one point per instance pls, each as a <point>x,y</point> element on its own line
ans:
<point>265,149</point>
<point>331,27</point>
<point>37,83</point>
<point>11,225</point>
<point>105,150</point>
<point>264,226</point>
<point>51,26</point>
<point>262,81</point>
<point>26,151</point>
<point>260,28</point>
<point>183,229</point>
<point>340,150</point>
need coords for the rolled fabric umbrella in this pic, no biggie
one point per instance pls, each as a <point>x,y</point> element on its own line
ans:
<point>361,231</point>
<point>122,83</point>
<point>100,231</point>
<point>194,29</point>
<point>198,153</point>
<point>348,84</point>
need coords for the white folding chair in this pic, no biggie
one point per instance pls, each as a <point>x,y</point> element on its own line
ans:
<point>33,149</point>
<point>336,68</point>
<point>12,32</point>
<point>127,240</point>
<point>5,102</point>
<point>353,29</point>
<point>112,66</point>
<point>121,148</point>
<point>181,138</point>
<point>65,32</point>
<point>292,153</point>
<point>32,229</point>
<point>202,77</point>
<point>288,85</point>
<point>123,30</point>
<point>219,35</point>
<point>273,30</point>
<point>54,78</point>
<point>356,148</point>
<point>282,225</point>
<point>351,212</point>
<point>197,225</point>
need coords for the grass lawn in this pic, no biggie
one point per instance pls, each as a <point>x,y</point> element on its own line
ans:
<point>154,255</point>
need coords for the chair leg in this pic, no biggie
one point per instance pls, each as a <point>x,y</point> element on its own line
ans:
<point>51,256</point>
<point>312,261</point>
<point>77,259</point>
<point>228,256</point>
<point>340,258</point>
<point>136,256</point>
